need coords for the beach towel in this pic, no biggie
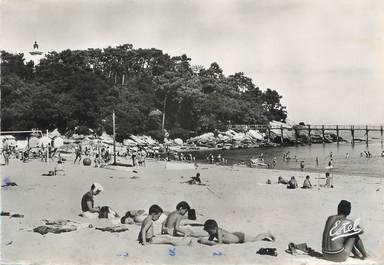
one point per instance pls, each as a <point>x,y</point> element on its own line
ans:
<point>58,226</point>
<point>107,212</point>
<point>53,229</point>
<point>113,229</point>
<point>302,249</point>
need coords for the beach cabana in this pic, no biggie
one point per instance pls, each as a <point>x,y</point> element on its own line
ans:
<point>34,142</point>
<point>45,140</point>
<point>58,142</point>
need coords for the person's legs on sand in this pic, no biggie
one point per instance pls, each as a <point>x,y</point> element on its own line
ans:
<point>263,236</point>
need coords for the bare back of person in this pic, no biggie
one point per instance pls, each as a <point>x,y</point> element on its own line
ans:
<point>170,223</point>
<point>149,234</point>
<point>337,246</point>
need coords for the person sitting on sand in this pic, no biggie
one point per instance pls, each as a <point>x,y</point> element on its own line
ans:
<point>282,181</point>
<point>171,226</point>
<point>87,203</point>
<point>147,236</point>
<point>341,236</point>
<point>307,183</point>
<point>224,237</point>
<point>292,183</point>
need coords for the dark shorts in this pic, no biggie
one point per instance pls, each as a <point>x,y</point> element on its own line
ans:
<point>339,257</point>
<point>241,236</point>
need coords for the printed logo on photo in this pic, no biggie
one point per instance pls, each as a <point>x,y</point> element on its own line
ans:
<point>345,228</point>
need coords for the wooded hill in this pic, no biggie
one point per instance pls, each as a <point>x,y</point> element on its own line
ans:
<point>79,89</point>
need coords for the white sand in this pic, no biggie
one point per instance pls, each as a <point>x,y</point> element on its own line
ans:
<point>239,200</point>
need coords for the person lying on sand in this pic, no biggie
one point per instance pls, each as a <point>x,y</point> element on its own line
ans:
<point>147,236</point>
<point>194,180</point>
<point>307,183</point>
<point>341,236</point>
<point>171,226</point>
<point>282,181</point>
<point>224,237</point>
<point>87,203</point>
<point>292,183</point>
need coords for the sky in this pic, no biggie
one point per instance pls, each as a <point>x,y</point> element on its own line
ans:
<point>325,57</point>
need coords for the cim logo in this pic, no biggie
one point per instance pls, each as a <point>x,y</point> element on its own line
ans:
<point>345,228</point>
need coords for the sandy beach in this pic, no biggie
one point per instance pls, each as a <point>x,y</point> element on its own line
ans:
<point>237,197</point>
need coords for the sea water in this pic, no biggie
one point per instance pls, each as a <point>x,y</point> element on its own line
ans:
<point>355,163</point>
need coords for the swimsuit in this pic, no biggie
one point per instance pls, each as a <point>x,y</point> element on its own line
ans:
<point>241,236</point>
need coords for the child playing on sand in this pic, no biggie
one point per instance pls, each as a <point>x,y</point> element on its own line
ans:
<point>341,236</point>
<point>147,236</point>
<point>225,237</point>
<point>307,183</point>
<point>171,226</point>
<point>292,184</point>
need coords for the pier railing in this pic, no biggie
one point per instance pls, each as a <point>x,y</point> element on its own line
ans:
<point>309,127</point>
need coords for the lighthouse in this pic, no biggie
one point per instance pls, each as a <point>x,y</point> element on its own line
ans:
<point>36,54</point>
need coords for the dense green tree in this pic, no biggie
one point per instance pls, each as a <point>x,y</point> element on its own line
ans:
<point>81,88</point>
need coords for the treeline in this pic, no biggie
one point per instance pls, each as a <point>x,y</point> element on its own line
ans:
<point>79,89</point>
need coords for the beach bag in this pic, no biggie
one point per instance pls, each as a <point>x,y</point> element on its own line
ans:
<point>107,212</point>
<point>192,214</point>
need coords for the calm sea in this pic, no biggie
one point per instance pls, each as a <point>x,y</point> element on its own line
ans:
<point>354,165</point>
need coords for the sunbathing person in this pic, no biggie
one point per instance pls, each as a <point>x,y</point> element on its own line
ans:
<point>194,180</point>
<point>224,237</point>
<point>307,183</point>
<point>87,203</point>
<point>292,184</point>
<point>171,226</point>
<point>282,181</point>
<point>341,236</point>
<point>147,236</point>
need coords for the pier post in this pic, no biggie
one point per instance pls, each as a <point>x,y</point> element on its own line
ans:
<point>323,133</point>
<point>281,134</point>
<point>337,134</point>
<point>366,132</point>
<point>381,133</point>
<point>296,134</point>
<point>309,135</point>
<point>353,135</point>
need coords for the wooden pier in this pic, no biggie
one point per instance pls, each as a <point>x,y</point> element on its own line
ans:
<point>310,128</point>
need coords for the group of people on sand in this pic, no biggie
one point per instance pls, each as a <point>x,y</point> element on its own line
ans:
<point>341,236</point>
<point>173,229</point>
<point>292,183</point>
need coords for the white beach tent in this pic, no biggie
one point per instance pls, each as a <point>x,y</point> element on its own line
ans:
<point>34,142</point>
<point>45,140</point>
<point>58,142</point>
<point>11,141</point>
<point>22,144</point>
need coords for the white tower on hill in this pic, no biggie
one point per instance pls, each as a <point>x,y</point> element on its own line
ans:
<point>36,55</point>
